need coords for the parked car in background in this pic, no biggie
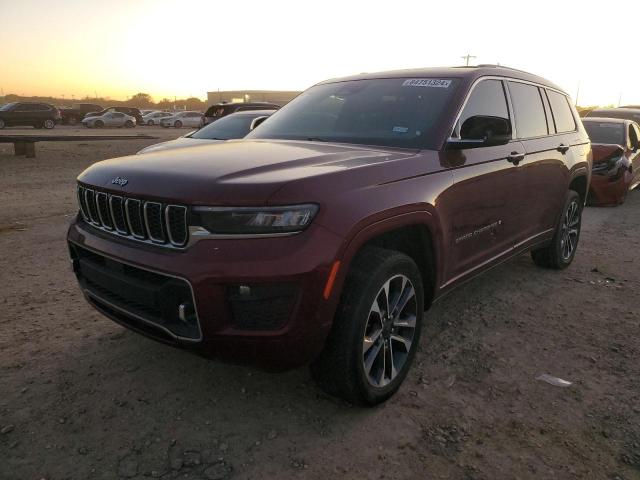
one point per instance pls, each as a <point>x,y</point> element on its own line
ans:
<point>73,115</point>
<point>219,110</point>
<point>182,119</point>
<point>34,114</point>
<point>133,112</point>
<point>153,118</point>
<point>110,119</point>
<point>616,159</point>
<point>324,235</point>
<point>632,114</point>
<point>233,126</point>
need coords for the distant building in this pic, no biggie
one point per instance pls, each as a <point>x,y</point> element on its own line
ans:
<point>278,97</point>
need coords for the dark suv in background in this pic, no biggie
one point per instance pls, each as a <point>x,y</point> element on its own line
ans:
<point>34,114</point>
<point>73,115</point>
<point>324,235</point>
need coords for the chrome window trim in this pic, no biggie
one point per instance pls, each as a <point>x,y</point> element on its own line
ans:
<point>146,222</point>
<point>508,95</point>
<point>104,224</point>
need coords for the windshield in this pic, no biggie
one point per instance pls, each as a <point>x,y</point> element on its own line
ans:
<point>6,107</point>
<point>605,132</point>
<point>227,128</point>
<point>395,112</point>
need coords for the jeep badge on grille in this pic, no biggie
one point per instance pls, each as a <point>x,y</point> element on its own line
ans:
<point>119,181</point>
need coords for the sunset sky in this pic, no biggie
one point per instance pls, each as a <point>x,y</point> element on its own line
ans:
<point>117,48</point>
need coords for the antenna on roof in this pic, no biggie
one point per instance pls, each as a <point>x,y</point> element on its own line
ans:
<point>468,57</point>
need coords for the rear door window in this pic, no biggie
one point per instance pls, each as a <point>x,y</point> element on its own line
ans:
<point>528,110</point>
<point>487,99</point>
<point>561,112</point>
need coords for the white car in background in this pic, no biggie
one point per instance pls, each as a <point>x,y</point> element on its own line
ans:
<point>230,127</point>
<point>110,119</point>
<point>154,118</point>
<point>183,119</point>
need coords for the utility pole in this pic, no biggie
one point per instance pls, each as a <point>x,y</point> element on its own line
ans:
<point>620,99</point>
<point>468,57</point>
<point>578,93</point>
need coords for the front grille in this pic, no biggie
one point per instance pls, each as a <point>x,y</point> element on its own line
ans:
<point>151,222</point>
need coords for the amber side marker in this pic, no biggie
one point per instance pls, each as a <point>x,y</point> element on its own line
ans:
<point>332,278</point>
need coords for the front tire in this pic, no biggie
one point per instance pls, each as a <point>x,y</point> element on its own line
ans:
<point>98,124</point>
<point>561,251</point>
<point>72,120</point>
<point>376,330</point>
<point>48,124</point>
<point>178,124</point>
<point>128,124</point>
<point>150,123</point>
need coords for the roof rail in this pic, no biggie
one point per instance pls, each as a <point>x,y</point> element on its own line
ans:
<point>491,65</point>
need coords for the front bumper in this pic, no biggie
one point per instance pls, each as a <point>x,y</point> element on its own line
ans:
<point>609,190</point>
<point>281,324</point>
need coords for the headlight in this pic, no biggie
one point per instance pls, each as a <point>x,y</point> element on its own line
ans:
<point>254,220</point>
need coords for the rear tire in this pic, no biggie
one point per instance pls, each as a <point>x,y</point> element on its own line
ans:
<point>178,124</point>
<point>49,124</point>
<point>562,250</point>
<point>128,124</point>
<point>376,332</point>
<point>98,124</point>
<point>150,123</point>
<point>72,120</point>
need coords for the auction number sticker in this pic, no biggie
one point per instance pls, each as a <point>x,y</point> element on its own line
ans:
<point>426,82</point>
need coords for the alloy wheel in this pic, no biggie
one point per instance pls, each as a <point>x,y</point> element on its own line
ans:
<point>570,229</point>
<point>389,331</point>
<point>49,124</point>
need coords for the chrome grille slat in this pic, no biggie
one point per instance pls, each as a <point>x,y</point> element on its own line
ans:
<point>102,203</point>
<point>90,199</point>
<point>176,224</point>
<point>82,203</point>
<point>143,221</point>
<point>153,221</point>
<point>116,206</point>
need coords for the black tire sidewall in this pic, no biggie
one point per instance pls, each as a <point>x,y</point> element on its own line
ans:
<point>401,265</point>
<point>562,263</point>
<point>98,124</point>
<point>178,124</point>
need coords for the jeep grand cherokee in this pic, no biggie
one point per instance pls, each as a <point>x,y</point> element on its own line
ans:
<point>323,236</point>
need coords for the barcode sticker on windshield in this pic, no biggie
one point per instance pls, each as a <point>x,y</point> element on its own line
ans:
<point>426,82</point>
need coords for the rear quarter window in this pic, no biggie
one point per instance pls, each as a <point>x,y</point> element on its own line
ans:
<point>562,114</point>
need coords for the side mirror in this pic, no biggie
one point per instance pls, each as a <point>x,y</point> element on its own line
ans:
<point>482,131</point>
<point>257,121</point>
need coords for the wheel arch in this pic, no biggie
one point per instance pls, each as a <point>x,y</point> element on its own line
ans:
<point>416,234</point>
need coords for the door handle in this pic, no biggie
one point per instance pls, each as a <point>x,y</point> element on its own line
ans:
<point>515,157</point>
<point>562,148</point>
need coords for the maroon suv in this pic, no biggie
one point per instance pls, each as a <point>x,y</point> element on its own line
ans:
<point>324,235</point>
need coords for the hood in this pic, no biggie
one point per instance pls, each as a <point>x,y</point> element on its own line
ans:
<point>605,151</point>
<point>178,143</point>
<point>242,172</point>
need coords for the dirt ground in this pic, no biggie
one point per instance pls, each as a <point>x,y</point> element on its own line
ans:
<point>83,398</point>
